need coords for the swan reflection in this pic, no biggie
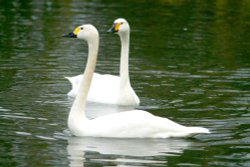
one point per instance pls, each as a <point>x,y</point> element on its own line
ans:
<point>110,151</point>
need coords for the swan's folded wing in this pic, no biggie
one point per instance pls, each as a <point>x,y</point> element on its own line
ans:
<point>104,89</point>
<point>139,124</point>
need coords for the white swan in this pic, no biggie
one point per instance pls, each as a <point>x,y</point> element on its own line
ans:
<point>112,89</point>
<point>127,124</point>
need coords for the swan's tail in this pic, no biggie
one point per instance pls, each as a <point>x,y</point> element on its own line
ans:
<point>185,132</point>
<point>196,130</point>
<point>69,79</point>
<point>75,81</point>
<point>71,93</point>
<point>192,131</point>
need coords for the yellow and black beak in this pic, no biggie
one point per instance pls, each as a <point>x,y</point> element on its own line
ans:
<point>73,34</point>
<point>70,35</point>
<point>115,28</point>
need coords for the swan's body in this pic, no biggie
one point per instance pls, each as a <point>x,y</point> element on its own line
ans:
<point>128,124</point>
<point>111,89</point>
<point>108,82</point>
<point>134,124</point>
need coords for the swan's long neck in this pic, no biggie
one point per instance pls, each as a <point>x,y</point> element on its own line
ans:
<point>78,108</point>
<point>124,61</point>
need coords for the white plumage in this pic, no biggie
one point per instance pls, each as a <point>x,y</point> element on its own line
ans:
<point>100,88</point>
<point>107,88</point>
<point>135,124</point>
<point>128,124</point>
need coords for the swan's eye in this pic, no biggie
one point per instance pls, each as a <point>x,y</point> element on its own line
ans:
<point>121,22</point>
<point>81,28</point>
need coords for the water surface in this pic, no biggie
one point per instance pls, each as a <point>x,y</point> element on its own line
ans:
<point>189,61</point>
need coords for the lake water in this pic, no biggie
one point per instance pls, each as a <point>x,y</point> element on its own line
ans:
<point>189,61</point>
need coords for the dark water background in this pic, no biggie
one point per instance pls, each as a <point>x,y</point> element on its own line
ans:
<point>189,61</point>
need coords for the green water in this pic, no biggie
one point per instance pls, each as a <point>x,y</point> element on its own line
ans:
<point>189,61</point>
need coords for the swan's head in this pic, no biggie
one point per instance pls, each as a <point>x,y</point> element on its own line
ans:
<point>86,32</point>
<point>120,26</point>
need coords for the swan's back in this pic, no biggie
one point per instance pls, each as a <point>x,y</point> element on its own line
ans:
<point>105,88</point>
<point>107,92</point>
<point>138,124</point>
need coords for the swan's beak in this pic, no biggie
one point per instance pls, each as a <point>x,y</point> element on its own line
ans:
<point>70,35</point>
<point>115,28</point>
<point>74,33</point>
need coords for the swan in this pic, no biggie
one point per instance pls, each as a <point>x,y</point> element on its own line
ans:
<point>127,124</point>
<point>107,88</point>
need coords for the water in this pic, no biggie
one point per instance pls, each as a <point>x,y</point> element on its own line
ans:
<point>189,61</point>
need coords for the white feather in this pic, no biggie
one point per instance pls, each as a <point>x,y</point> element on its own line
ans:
<point>128,124</point>
<point>107,88</point>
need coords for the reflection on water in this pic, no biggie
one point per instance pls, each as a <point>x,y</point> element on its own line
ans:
<point>189,61</point>
<point>121,152</point>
